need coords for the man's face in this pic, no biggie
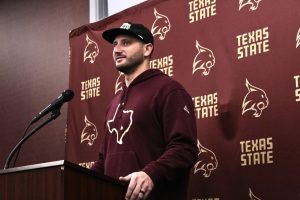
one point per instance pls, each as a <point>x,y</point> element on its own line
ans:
<point>128,53</point>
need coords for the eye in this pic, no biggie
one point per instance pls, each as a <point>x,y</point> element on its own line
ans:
<point>126,42</point>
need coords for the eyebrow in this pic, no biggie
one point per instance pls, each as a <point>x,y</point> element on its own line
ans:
<point>129,39</point>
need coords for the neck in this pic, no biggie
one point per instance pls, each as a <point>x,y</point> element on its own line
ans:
<point>131,76</point>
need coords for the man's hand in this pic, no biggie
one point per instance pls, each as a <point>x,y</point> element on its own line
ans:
<point>140,185</point>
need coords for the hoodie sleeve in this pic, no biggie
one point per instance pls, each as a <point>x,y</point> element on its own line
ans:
<point>180,134</point>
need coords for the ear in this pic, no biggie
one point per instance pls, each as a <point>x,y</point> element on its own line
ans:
<point>148,48</point>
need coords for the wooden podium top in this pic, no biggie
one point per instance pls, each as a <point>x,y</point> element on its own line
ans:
<point>62,164</point>
<point>58,180</point>
<point>36,166</point>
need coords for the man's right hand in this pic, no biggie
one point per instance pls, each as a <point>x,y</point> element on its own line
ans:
<point>140,185</point>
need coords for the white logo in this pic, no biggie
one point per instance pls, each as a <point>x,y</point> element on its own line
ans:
<point>91,50</point>
<point>126,26</point>
<point>252,196</point>
<point>120,131</point>
<point>206,161</point>
<point>186,109</point>
<point>161,25</point>
<point>252,3</point>
<point>298,39</point>
<point>89,132</point>
<point>118,85</point>
<point>204,60</point>
<point>256,100</point>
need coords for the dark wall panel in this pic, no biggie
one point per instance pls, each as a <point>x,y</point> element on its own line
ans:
<point>34,70</point>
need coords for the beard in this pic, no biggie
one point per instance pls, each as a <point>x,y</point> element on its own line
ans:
<point>131,64</point>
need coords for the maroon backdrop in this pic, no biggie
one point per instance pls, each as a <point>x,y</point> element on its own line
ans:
<point>239,60</point>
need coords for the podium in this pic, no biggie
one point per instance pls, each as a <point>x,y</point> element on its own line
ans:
<point>58,180</point>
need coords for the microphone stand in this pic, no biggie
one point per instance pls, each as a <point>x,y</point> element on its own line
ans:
<point>54,115</point>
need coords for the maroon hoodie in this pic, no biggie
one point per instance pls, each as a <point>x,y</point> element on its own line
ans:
<point>150,126</point>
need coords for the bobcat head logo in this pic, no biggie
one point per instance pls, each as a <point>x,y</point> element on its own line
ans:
<point>298,39</point>
<point>161,25</point>
<point>252,3</point>
<point>256,100</point>
<point>89,132</point>
<point>124,128</point>
<point>119,81</point>
<point>206,161</point>
<point>252,196</point>
<point>91,50</point>
<point>204,60</point>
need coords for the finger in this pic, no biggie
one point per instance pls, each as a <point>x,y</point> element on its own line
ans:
<point>136,191</point>
<point>147,190</point>
<point>147,186</point>
<point>125,178</point>
<point>146,194</point>
<point>141,196</point>
<point>131,187</point>
<point>143,191</point>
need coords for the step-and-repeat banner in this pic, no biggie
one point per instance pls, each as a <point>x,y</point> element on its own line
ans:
<point>239,60</point>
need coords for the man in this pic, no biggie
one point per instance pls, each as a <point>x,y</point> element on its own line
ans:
<point>150,131</point>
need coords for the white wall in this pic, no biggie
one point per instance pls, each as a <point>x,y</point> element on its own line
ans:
<point>115,6</point>
<point>97,11</point>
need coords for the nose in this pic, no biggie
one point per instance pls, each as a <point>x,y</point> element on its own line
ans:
<point>117,48</point>
<point>117,51</point>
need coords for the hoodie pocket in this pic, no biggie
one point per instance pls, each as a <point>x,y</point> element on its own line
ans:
<point>121,164</point>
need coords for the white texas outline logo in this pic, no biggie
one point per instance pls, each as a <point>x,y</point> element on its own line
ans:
<point>122,131</point>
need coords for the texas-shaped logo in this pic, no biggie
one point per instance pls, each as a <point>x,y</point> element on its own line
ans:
<point>256,100</point>
<point>206,161</point>
<point>204,60</point>
<point>91,50</point>
<point>120,130</point>
<point>161,25</point>
<point>89,132</point>
<point>252,196</point>
<point>252,3</point>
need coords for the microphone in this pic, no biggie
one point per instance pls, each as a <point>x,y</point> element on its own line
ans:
<point>53,107</point>
<point>65,96</point>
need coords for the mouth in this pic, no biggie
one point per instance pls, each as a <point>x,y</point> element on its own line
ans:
<point>119,58</point>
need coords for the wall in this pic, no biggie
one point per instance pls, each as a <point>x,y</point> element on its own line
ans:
<point>115,6</point>
<point>34,70</point>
